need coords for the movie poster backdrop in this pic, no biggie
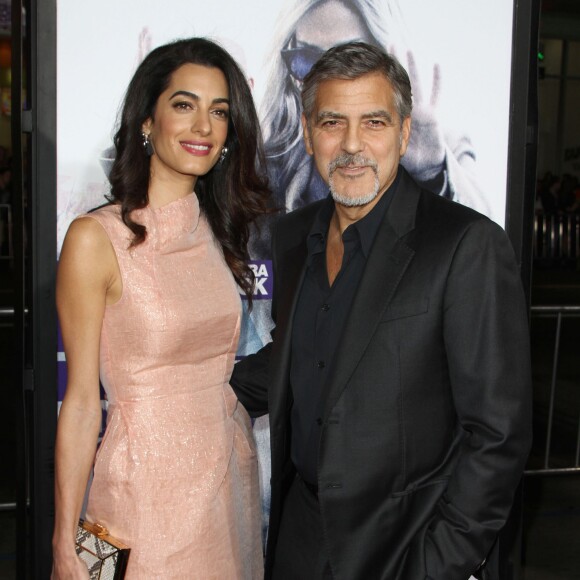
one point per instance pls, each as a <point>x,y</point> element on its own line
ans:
<point>457,52</point>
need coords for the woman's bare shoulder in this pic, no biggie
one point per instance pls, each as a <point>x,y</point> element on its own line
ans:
<point>88,249</point>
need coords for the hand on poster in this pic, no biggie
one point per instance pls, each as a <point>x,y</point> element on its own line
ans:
<point>425,156</point>
<point>145,44</point>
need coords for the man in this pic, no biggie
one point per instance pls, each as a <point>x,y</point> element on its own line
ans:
<point>398,380</point>
<point>437,158</point>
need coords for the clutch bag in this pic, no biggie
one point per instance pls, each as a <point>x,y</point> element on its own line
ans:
<point>105,556</point>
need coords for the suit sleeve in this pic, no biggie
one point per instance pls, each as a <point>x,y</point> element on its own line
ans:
<point>251,375</point>
<point>486,340</point>
<point>250,380</point>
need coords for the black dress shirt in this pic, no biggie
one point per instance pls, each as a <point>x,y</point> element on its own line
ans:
<point>319,320</point>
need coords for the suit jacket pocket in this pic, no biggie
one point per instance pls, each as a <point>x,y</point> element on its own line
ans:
<point>413,487</point>
<point>405,309</point>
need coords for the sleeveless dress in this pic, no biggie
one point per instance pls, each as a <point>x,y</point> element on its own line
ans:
<point>175,476</point>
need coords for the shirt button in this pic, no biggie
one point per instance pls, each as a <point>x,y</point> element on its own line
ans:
<point>319,421</point>
<point>325,308</point>
<point>320,364</point>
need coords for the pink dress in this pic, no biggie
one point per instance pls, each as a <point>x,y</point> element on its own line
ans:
<point>176,474</point>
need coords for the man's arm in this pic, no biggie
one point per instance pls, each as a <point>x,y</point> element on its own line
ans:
<point>250,380</point>
<point>251,375</point>
<point>486,341</point>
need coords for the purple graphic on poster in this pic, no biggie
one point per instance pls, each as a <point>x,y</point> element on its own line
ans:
<point>264,279</point>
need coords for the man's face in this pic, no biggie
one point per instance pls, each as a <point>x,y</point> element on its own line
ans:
<point>356,137</point>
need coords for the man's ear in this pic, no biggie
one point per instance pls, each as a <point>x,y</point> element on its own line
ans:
<point>405,135</point>
<point>306,134</point>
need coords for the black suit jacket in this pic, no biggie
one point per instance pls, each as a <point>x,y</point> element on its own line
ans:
<point>427,413</point>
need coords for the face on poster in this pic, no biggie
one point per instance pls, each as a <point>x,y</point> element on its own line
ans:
<point>460,52</point>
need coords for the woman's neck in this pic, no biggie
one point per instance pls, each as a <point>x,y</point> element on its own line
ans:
<point>162,192</point>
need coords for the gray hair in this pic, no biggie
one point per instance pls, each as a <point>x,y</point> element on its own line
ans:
<point>351,61</point>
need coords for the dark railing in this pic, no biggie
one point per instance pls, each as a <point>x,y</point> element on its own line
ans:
<point>559,313</point>
<point>556,236</point>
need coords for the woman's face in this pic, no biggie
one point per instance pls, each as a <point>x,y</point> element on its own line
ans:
<point>190,124</point>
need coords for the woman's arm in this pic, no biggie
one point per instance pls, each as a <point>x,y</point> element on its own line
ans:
<point>88,279</point>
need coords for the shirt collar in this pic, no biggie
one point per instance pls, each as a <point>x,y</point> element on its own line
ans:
<point>366,228</point>
<point>316,240</point>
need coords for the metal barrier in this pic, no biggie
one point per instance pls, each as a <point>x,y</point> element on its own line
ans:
<point>556,236</point>
<point>559,313</point>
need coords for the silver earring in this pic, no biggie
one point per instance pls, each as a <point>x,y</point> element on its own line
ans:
<point>147,145</point>
<point>223,155</point>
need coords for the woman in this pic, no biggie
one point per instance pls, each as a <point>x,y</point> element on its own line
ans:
<point>147,300</point>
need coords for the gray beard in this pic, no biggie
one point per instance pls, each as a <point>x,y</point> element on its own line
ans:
<point>348,159</point>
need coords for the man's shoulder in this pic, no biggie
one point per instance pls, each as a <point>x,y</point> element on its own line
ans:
<point>426,219</point>
<point>416,208</point>
<point>299,220</point>
<point>304,213</point>
<point>446,212</point>
<point>442,223</point>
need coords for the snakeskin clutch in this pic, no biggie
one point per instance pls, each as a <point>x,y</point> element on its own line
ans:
<point>105,556</point>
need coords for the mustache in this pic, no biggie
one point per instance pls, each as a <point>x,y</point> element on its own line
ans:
<point>346,159</point>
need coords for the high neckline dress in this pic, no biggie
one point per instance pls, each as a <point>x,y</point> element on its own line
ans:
<point>175,476</point>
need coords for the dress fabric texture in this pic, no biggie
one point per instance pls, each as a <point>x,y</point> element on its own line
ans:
<point>176,475</point>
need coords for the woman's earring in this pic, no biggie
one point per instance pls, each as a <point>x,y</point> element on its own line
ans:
<point>223,155</point>
<point>147,145</point>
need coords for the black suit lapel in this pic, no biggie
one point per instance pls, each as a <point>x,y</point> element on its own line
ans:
<point>386,265</point>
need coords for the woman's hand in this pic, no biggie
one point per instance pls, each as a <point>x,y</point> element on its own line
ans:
<point>69,567</point>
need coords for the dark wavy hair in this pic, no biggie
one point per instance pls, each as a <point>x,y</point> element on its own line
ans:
<point>234,193</point>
